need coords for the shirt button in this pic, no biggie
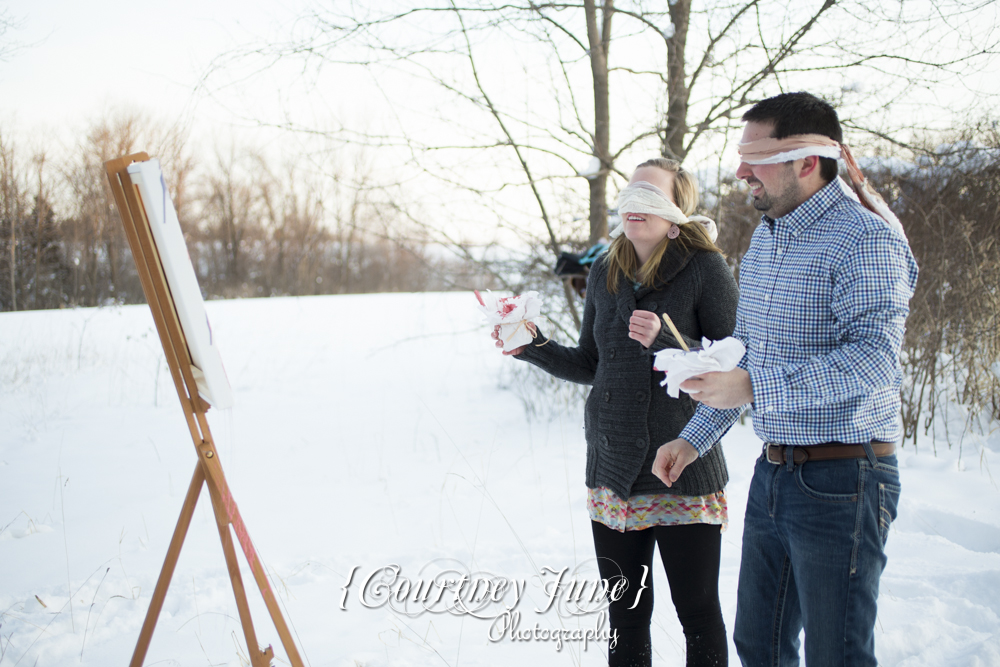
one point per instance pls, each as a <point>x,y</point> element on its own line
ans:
<point>640,444</point>
<point>607,397</point>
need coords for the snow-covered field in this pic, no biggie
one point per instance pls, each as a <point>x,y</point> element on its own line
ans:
<point>371,431</point>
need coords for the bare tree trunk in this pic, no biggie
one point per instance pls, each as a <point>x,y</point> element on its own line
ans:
<point>13,258</point>
<point>8,190</point>
<point>599,39</point>
<point>672,140</point>
<point>13,264</point>
<point>40,213</point>
<point>235,267</point>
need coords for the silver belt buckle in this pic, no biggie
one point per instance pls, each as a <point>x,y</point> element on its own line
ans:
<point>768,458</point>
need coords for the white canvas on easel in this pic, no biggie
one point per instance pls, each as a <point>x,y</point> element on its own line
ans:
<point>213,384</point>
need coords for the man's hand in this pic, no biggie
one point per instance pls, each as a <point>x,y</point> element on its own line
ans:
<point>731,389</point>
<point>643,326</point>
<point>672,458</point>
<point>517,350</point>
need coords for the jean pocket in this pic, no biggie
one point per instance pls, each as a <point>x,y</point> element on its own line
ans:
<point>829,481</point>
<point>885,469</point>
<point>888,500</point>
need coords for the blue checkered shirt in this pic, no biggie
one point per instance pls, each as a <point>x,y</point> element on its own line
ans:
<point>824,295</point>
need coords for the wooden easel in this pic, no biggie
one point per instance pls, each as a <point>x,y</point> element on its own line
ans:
<point>208,468</point>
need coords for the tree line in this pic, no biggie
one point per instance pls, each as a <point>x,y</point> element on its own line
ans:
<point>252,228</point>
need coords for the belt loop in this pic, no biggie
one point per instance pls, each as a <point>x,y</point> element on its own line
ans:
<point>790,458</point>
<point>870,451</point>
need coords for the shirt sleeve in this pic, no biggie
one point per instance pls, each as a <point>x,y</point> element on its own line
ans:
<point>708,425</point>
<point>869,302</point>
<point>574,364</point>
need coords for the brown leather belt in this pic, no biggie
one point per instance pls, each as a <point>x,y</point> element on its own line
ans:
<point>777,453</point>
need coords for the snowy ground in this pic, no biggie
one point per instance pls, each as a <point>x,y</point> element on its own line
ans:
<point>370,431</point>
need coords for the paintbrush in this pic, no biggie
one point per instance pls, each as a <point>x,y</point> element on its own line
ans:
<point>675,332</point>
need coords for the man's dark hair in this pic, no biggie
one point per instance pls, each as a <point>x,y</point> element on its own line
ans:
<point>800,113</point>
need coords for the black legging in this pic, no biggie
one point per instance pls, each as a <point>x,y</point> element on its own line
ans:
<point>690,555</point>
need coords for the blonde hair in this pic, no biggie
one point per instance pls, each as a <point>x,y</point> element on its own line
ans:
<point>621,257</point>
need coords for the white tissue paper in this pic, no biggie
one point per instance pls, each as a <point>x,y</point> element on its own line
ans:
<point>512,313</point>
<point>721,355</point>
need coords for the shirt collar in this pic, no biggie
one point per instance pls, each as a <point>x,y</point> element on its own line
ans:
<point>808,211</point>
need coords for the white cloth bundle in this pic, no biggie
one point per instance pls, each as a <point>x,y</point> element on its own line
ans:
<point>512,314</point>
<point>721,355</point>
<point>647,199</point>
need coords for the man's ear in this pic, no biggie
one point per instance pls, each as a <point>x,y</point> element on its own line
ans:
<point>810,166</point>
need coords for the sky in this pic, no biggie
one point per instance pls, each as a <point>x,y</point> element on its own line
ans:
<point>78,59</point>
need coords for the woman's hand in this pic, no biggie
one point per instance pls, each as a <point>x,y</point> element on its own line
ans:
<point>644,326</point>
<point>517,350</point>
<point>672,458</point>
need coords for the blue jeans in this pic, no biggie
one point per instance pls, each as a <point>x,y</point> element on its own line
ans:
<point>812,557</point>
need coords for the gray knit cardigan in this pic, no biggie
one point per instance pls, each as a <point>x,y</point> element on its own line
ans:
<point>628,414</point>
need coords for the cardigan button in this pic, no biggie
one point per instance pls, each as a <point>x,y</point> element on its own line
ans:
<point>612,353</point>
<point>651,307</point>
<point>640,397</point>
<point>607,397</point>
<point>640,443</point>
<point>604,440</point>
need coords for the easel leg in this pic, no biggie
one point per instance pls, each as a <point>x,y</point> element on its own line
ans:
<point>227,512</point>
<point>269,600</point>
<point>258,658</point>
<point>167,571</point>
